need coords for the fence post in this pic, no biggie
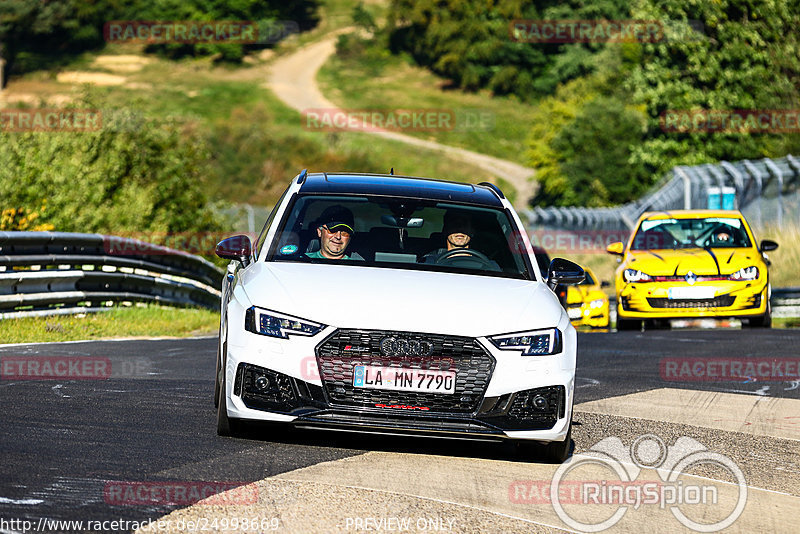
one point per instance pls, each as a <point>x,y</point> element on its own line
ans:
<point>687,187</point>
<point>779,175</point>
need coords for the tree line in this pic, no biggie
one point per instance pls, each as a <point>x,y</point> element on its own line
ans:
<point>598,134</point>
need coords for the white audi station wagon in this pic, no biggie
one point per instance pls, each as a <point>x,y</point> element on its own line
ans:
<point>396,305</point>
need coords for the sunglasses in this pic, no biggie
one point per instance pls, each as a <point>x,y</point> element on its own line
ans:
<point>343,228</point>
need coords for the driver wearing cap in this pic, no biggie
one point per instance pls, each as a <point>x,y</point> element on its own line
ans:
<point>335,228</point>
<point>459,232</point>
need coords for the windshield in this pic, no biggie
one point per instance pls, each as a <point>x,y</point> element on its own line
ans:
<point>403,233</point>
<point>712,232</point>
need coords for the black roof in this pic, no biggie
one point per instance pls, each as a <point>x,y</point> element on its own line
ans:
<point>399,186</point>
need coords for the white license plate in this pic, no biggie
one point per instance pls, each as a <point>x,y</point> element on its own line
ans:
<point>399,379</point>
<point>574,313</point>
<point>691,292</point>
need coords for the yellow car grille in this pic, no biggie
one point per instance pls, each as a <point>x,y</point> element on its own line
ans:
<point>722,301</point>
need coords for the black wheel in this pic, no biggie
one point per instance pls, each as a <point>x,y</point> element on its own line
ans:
<point>762,321</point>
<point>628,324</point>
<point>555,452</point>
<point>216,381</point>
<point>658,324</point>
<point>226,426</point>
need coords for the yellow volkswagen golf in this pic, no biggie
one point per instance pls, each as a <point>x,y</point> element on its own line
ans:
<point>692,263</point>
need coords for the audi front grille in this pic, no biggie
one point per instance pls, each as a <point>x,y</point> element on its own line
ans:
<point>344,349</point>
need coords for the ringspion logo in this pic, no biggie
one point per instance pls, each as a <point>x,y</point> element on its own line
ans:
<point>594,490</point>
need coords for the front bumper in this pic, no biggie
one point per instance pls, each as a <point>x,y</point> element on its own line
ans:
<point>730,299</point>
<point>583,314</point>
<point>316,392</point>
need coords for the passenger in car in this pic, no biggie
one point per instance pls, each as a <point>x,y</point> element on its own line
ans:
<point>335,228</point>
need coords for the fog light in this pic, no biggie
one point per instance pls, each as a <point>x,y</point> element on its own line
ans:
<point>262,383</point>
<point>538,403</point>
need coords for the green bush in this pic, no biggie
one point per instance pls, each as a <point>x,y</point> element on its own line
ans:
<point>134,174</point>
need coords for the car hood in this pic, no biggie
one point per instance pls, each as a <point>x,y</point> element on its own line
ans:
<point>699,261</point>
<point>374,298</point>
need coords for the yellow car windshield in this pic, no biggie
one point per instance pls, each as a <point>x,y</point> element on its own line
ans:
<point>711,232</point>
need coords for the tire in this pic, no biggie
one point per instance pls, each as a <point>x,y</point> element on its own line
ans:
<point>226,426</point>
<point>658,324</point>
<point>762,321</point>
<point>628,324</point>
<point>555,452</point>
<point>216,381</point>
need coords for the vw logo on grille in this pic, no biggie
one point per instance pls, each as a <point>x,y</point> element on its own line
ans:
<point>691,278</point>
<point>399,346</point>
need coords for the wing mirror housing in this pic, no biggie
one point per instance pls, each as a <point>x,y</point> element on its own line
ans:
<point>563,271</point>
<point>767,245</point>
<point>237,248</point>
<point>616,248</point>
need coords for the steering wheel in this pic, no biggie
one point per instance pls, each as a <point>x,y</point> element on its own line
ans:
<point>471,254</point>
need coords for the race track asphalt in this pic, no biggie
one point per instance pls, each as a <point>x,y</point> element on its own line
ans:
<point>65,442</point>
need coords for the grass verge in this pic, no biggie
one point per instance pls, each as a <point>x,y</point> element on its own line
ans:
<point>364,76</point>
<point>258,144</point>
<point>149,321</point>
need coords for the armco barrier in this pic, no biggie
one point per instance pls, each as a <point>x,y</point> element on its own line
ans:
<point>766,190</point>
<point>45,273</point>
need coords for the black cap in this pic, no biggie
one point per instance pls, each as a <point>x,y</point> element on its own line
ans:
<point>337,218</point>
<point>457,222</point>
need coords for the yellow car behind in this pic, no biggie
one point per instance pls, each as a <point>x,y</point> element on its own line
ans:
<point>691,264</point>
<point>587,303</point>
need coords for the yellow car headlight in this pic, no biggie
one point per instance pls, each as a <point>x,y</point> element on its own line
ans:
<point>745,273</point>
<point>597,303</point>
<point>633,275</point>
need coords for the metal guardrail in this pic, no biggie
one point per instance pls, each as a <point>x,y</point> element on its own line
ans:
<point>48,273</point>
<point>767,190</point>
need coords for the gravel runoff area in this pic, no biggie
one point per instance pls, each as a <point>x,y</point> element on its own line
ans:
<point>294,506</point>
<point>310,506</point>
<point>768,463</point>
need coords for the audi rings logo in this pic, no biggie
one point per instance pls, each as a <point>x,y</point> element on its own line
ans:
<point>399,346</point>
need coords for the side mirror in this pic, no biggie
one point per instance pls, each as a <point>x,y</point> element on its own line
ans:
<point>605,283</point>
<point>616,248</point>
<point>767,245</point>
<point>236,248</point>
<point>563,271</point>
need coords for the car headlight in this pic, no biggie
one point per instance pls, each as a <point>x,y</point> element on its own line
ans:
<point>532,343</point>
<point>597,303</point>
<point>274,324</point>
<point>632,275</point>
<point>745,273</point>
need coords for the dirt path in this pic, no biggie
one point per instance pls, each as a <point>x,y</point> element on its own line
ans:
<point>293,80</point>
